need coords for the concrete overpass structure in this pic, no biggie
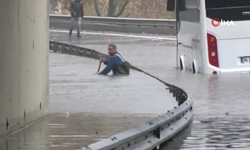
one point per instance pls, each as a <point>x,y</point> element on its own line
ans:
<point>23,63</point>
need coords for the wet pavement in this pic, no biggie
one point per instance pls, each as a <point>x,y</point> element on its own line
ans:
<point>221,103</point>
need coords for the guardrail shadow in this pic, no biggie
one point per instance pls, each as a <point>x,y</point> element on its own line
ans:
<point>149,135</point>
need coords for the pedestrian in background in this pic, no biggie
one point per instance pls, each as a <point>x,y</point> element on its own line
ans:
<point>77,13</point>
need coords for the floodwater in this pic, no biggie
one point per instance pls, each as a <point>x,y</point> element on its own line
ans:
<point>221,102</point>
<point>75,88</point>
<point>85,107</point>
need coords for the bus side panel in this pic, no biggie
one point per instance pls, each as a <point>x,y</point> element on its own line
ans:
<point>189,47</point>
<point>189,36</point>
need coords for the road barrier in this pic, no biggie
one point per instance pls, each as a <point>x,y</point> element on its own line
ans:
<point>149,135</point>
<point>117,24</point>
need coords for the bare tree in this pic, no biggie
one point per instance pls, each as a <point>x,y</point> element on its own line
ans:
<point>54,6</point>
<point>111,8</point>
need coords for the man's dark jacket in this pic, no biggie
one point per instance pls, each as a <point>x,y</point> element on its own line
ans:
<point>117,64</point>
<point>76,8</point>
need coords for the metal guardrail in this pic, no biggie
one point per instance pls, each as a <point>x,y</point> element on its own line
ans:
<point>120,21</point>
<point>150,134</point>
<point>133,25</point>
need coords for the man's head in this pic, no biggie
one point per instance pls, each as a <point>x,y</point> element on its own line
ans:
<point>111,49</point>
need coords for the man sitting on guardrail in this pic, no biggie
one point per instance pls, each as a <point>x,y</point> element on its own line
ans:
<point>76,9</point>
<point>116,63</point>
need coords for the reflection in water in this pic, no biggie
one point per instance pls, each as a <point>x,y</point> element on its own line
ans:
<point>219,132</point>
<point>70,132</point>
<point>35,137</point>
<point>177,141</point>
<point>213,86</point>
<point>221,114</point>
<point>76,130</point>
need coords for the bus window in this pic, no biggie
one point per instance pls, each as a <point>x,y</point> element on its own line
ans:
<point>181,4</point>
<point>226,3</point>
<point>235,10</point>
<point>170,5</point>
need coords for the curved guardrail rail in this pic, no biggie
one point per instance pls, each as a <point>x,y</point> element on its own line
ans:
<point>150,134</point>
<point>133,25</point>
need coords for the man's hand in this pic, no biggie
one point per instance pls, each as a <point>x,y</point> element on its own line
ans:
<point>101,59</point>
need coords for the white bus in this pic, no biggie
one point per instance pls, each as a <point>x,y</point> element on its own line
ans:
<point>206,45</point>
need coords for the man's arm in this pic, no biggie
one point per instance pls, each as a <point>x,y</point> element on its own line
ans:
<point>106,62</point>
<point>109,67</point>
<point>71,8</point>
<point>82,10</point>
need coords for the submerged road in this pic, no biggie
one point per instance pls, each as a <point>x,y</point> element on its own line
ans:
<point>221,103</point>
<point>221,113</point>
<point>85,107</point>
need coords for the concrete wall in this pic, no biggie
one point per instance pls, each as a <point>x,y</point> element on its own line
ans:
<point>23,62</point>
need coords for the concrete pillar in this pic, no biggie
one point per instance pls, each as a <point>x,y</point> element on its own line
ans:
<point>23,63</point>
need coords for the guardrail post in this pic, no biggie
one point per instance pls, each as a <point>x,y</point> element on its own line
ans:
<point>170,90</point>
<point>66,48</point>
<point>84,53</point>
<point>182,99</point>
<point>157,132</point>
<point>70,49</point>
<point>62,48</point>
<point>178,94</point>
<point>59,47</point>
<point>73,52</point>
<point>87,53</point>
<point>55,47</point>
<point>174,92</point>
<point>51,45</point>
<point>77,50</point>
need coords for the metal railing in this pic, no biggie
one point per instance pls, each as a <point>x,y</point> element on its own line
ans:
<point>150,134</point>
<point>119,21</point>
<point>117,24</point>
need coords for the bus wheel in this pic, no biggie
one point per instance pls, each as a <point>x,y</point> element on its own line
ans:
<point>181,65</point>
<point>193,67</point>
